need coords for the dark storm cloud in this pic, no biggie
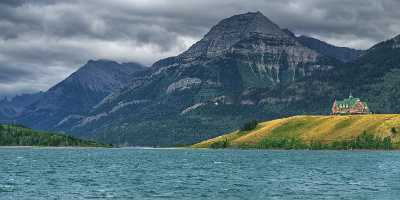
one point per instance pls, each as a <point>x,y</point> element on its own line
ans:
<point>42,41</point>
<point>12,2</point>
<point>11,74</point>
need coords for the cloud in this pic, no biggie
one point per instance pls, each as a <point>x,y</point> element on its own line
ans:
<point>43,41</point>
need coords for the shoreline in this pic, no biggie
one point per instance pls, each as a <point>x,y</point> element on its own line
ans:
<point>251,149</point>
<point>190,148</point>
<point>50,147</point>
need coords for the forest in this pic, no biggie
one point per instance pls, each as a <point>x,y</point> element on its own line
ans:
<point>19,135</point>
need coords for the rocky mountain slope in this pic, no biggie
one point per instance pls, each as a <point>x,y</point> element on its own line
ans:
<point>77,94</point>
<point>341,53</point>
<point>9,109</point>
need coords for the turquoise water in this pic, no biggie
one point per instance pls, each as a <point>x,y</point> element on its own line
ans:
<point>40,173</point>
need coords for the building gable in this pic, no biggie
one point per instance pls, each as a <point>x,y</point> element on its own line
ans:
<point>350,105</point>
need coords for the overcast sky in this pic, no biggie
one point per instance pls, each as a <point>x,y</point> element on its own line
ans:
<point>43,41</point>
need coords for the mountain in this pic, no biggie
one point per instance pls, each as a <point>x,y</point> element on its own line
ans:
<point>341,53</point>
<point>236,68</point>
<point>316,132</point>
<point>270,55</point>
<point>227,33</point>
<point>10,109</point>
<point>77,94</point>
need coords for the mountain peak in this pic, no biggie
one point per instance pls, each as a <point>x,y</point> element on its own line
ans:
<point>100,62</point>
<point>231,30</point>
<point>100,75</point>
<point>92,66</point>
<point>256,22</point>
<point>245,24</point>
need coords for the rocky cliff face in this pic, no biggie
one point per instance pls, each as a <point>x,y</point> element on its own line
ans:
<point>253,41</point>
<point>229,31</point>
<point>275,58</point>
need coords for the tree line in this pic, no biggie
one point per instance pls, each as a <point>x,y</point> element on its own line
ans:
<point>363,141</point>
<point>17,135</point>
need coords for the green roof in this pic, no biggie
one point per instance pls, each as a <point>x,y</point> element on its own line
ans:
<point>350,102</point>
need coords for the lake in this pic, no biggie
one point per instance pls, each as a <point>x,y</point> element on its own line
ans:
<point>129,173</point>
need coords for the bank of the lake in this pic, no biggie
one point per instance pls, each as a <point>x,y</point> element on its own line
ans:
<point>17,135</point>
<point>316,132</point>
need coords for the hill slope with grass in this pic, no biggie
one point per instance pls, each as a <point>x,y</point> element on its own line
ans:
<point>15,135</point>
<point>316,132</point>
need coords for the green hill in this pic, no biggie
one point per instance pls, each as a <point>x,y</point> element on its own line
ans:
<point>316,132</point>
<point>15,135</point>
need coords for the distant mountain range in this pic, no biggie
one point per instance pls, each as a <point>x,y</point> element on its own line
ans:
<point>74,96</point>
<point>10,109</point>
<point>246,67</point>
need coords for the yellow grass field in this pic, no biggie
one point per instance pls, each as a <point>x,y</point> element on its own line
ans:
<point>325,129</point>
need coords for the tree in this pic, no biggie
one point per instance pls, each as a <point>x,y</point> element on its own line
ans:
<point>385,95</point>
<point>248,126</point>
<point>387,143</point>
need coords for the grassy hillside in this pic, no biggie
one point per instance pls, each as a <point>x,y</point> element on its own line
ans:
<point>316,132</point>
<point>14,135</point>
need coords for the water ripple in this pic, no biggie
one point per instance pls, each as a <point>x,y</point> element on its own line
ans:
<point>197,174</point>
